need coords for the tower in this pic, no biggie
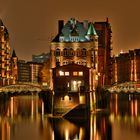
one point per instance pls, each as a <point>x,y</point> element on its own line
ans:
<point>14,69</point>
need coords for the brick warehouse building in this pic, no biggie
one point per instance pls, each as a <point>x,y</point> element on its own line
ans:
<point>126,67</point>
<point>84,44</point>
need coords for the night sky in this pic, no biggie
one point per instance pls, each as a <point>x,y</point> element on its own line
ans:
<point>33,23</point>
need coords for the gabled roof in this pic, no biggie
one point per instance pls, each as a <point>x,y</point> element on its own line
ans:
<point>74,32</point>
<point>91,30</point>
<point>1,23</point>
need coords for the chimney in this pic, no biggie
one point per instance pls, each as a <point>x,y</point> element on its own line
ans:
<point>85,23</point>
<point>60,25</point>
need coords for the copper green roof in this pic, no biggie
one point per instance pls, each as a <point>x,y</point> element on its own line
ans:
<point>91,30</point>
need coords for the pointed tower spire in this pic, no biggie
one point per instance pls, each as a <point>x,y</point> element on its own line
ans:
<point>1,23</point>
<point>14,53</point>
<point>91,30</point>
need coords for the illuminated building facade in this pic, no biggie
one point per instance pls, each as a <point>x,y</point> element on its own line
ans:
<point>4,55</point>
<point>126,67</point>
<point>77,43</point>
<point>71,83</point>
<point>34,70</point>
<point>84,43</point>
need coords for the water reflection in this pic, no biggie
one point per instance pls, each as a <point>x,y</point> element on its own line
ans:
<point>23,117</point>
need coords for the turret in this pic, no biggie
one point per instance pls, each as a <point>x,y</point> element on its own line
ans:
<point>14,69</point>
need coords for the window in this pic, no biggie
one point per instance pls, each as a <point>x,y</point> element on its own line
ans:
<point>80,73</point>
<point>75,73</point>
<point>61,73</point>
<point>78,52</point>
<point>65,52</point>
<point>83,52</point>
<point>71,52</point>
<point>67,73</point>
<point>57,53</point>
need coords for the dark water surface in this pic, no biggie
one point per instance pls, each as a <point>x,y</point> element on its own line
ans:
<point>24,118</point>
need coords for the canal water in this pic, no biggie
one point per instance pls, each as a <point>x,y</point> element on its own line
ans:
<point>24,118</point>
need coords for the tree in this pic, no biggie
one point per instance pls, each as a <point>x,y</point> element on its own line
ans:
<point>44,74</point>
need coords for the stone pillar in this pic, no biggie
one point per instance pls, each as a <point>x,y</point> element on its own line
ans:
<point>53,59</point>
<point>88,58</point>
<point>61,56</point>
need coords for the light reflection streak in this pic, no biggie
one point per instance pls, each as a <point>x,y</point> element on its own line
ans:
<point>91,127</point>
<point>12,107</point>
<point>32,108</point>
<point>66,134</point>
<point>42,108</point>
<point>136,108</point>
<point>116,104</point>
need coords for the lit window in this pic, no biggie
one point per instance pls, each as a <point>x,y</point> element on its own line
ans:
<point>80,73</point>
<point>67,73</point>
<point>61,73</point>
<point>75,73</point>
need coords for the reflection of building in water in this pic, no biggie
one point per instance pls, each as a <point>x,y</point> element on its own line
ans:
<point>66,130</point>
<point>25,106</point>
<point>129,105</point>
<point>24,112</point>
<point>100,128</point>
<point>5,130</point>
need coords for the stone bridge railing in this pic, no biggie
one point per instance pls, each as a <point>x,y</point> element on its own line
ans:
<point>21,88</point>
<point>127,87</point>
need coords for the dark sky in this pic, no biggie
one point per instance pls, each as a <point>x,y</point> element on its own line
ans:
<point>32,23</point>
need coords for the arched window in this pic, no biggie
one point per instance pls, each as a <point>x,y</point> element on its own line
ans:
<point>71,52</point>
<point>78,52</point>
<point>57,52</point>
<point>84,52</point>
<point>65,52</point>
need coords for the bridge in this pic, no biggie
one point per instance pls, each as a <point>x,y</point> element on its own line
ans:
<point>126,87</point>
<point>21,87</point>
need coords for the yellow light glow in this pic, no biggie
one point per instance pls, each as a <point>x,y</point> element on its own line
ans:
<point>67,73</point>
<point>80,73</point>
<point>66,98</point>
<point>66,134</point>
<point>61,73</point>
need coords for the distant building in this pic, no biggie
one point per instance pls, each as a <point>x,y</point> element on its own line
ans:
<point>40,58</point>
<point>28,71</point>
<point>24,74</point>
<point>34,70</point>
<point>126,67</point>
<point>4,55</point>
